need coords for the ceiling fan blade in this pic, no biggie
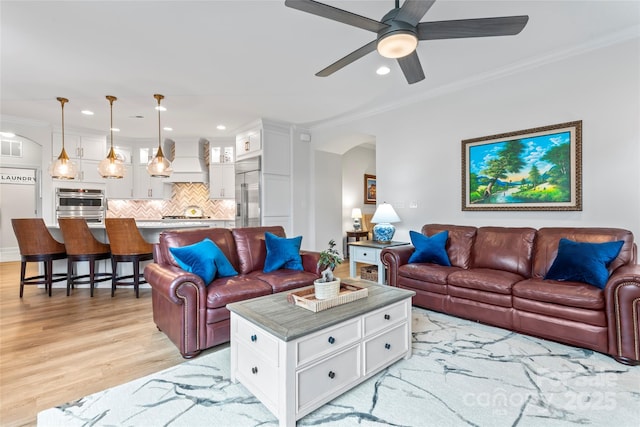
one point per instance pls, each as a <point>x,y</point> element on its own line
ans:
<point>411,68</point>
<point>353,56</point>
<point>412,11</point>
<point>330,12</point>
<point>479,27</point>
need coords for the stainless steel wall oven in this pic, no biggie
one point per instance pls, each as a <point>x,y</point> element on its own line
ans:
<point>89,204</point>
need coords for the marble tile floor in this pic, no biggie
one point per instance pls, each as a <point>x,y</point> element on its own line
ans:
<point>461,374</point>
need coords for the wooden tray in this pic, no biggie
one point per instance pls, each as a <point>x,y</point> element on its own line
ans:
<point>306,297</point>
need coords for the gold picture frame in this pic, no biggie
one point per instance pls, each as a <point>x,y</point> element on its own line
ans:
<point>538,169</point>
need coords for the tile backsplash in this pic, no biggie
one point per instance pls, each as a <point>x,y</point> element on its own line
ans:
<point>182,195</point>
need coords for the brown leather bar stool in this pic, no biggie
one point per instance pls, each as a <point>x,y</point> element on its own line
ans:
<point>81,245</point>
<point>127,245</point>
<point>37,245</point>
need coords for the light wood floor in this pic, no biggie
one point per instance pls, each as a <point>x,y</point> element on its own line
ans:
<point>59,349</point>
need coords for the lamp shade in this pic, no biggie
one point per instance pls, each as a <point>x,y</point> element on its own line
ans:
<point>384,216</point>
<point>356,213</point>
<point>385,213</point>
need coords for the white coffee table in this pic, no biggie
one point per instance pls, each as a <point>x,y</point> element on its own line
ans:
<point>294,360</point>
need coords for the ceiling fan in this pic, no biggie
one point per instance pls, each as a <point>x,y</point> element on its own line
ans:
<point>400,30</point>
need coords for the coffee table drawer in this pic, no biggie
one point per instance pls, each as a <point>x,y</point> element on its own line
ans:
<point>330,377</point>
<point>329,340</point>
<point>257,340</point>
<point>386,317</point>
<point>383,348</point>
<point>260,376</point>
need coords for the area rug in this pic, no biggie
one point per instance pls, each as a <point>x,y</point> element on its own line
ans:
<point>461,373</point>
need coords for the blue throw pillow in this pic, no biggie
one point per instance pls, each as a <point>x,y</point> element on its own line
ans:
<point>204,259</point>
<point>430,249</point>
<point>282,253</point>
<point>584,262</point>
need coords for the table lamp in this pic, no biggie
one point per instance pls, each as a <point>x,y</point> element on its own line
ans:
<point>383,231</point>
<point>356,214</point>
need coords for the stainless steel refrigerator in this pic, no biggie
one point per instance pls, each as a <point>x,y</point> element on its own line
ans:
<point>248,192</point>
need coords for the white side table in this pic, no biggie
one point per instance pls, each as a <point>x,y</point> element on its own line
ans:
<point>368,251</point>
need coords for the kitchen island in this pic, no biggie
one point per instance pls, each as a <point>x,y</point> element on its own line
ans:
<point>150,230</point>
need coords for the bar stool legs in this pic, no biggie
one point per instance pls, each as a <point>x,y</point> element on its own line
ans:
<point>135,279</point>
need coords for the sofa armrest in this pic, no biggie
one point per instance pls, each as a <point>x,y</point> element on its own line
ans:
<point>310,261</point>
<point>393,258</point>
<point>179,306</point>
<point>622,297</point>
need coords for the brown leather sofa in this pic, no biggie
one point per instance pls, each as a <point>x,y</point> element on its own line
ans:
<point>193,314</point>
<point>497,277</point>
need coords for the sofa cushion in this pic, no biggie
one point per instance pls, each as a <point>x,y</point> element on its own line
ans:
<point>429,249</point>
<point>459,244</point>
<point>282,253</point>
<point>251,246</point>
<point>432,273</point>
<point>564,312</point>
<point>485,279</point>
<point>504,248</point>
<point>572,294</point>
<point>204,259</point>
<point>232,289</point>
<point>547,240</point>
<point>222,237</point>
<point>584,262</point>
<point>284,279</point>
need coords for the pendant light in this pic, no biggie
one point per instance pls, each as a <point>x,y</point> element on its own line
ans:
<point>159,166</point>
<point>111,167</point>
<point>63,168</point>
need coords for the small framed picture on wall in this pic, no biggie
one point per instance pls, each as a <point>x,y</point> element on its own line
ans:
<point>369,189</point>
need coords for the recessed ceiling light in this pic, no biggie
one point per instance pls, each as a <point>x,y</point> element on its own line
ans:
<point>221,127</point>
<point>87,112</point>
<point>168,129</point>
<point>382,71</point>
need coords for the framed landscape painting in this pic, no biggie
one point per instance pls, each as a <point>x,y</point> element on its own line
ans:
<point>369,189</point>
<point>537,169</point>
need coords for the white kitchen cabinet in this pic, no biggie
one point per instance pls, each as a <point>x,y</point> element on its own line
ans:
<point>248,144</point>
<point>85,151</point>
<point>121,188</point>
<point>80,147</point>
<point>147,187</point>
<point>222,181</point>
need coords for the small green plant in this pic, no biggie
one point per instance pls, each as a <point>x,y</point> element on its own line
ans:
<point>329,259</point>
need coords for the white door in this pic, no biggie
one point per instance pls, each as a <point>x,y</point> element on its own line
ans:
<point>18,192</point>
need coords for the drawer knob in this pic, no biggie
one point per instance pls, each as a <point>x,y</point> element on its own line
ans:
<point>254,370</point>
<point>387,346</point>
<point>364,254</point>
<point>332,374</point>
<point>331,340</point>
<point>254,338</point>
<point>387,317</point>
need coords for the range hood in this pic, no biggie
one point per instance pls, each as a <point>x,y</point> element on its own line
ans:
<point>188,163</point>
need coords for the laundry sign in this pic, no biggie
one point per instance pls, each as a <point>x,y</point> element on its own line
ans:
<point>17,176</point>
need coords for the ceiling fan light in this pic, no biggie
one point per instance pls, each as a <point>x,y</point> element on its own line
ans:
<point>397,44</point>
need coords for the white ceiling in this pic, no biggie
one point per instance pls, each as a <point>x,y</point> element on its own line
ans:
<point>232,62</point>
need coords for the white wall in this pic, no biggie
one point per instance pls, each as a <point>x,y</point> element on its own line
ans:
<point>355,163</point>
<point>418,147</point>
<point>327,198</point>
